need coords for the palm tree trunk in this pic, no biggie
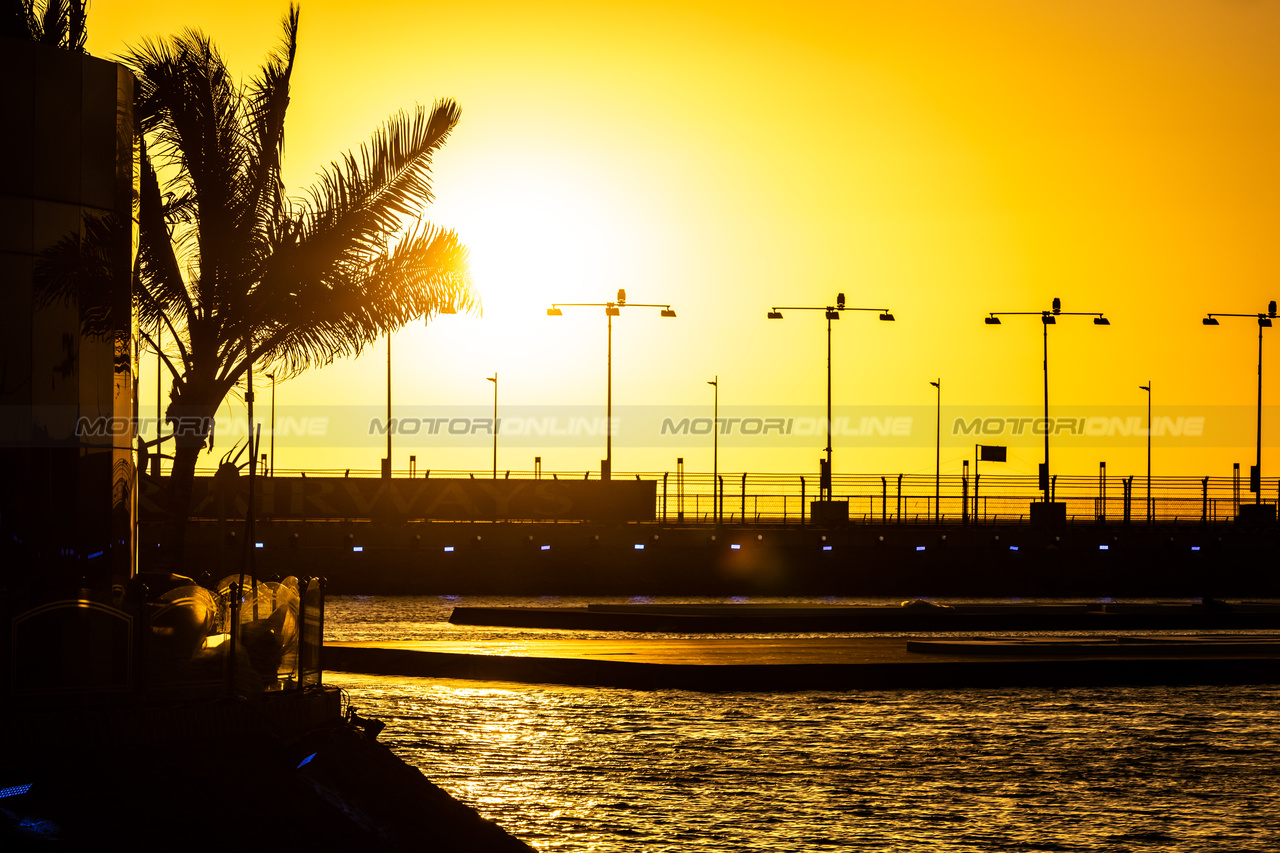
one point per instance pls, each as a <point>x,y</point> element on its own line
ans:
<point>191,426</point>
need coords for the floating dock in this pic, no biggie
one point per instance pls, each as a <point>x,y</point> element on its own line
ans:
<point>913,616</point>
<point>855,663</point>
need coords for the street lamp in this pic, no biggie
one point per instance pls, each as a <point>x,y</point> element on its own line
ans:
<point>1047,319</point>
<point>937,456</point>
<point>426,318</point>
<point>494,380</point>
<point>1150,427</point>
<point>833,313</point>
<point>715,448</point>
<point>611,310</point>
<point>271,472</point>
<point>1264,322</point>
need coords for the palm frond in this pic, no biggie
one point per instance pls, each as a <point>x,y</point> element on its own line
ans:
<point>191,111</point>
<point>53,24</point>
<point>359,203</point>
<point>267,102</point>
<point>425,272</point>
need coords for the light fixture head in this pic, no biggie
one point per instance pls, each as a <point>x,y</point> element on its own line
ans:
<point>833,315</point>
<point>612,310</point>
<point>1264,322</point>
<point>1210,321</point>
<point>886,317</point>
<point>1271,308</point>
<point>840,302</point>
<point>667,312</point>
<point>622,296</point>
<point>1048,319</point>
<point>1101,321</point>
<point>554,312</point>
<point>1146,388</point>
<point>1057,305</point>
<point>991,321</point>
<point>775,315</point>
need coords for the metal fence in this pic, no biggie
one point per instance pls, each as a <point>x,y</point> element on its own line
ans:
<point>994,499</point>
<point>768,498</point>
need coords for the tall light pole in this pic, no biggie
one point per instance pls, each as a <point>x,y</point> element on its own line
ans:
<point>1047,319</point>
<point>833,313</point>
<point>1264,322</point>
<point>715,448</point>
<point>937,457</point>
<point>271,472</point>
<point>494,380</point>
<point>611,310</point>
<point>386,463</point>
<point>1150,427</point>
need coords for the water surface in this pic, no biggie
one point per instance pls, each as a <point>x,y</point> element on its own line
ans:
<point>1151,768</point>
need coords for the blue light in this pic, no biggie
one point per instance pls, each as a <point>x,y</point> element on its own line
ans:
<point>357,548</point>
<point>15,790</point>
<point>1104,547</point>
<point>257,544</point>
<point>639,547</point>
<point>546,547</point>
<point>448,548</point>
<point>1195,547</point>
<point>1013,547</point>
<point>919,547</point>
<point>735,547</point>
<point>307,760</point>
<point>826,547</point>
<point>95,554</point>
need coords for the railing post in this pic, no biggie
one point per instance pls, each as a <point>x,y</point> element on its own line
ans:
<point>899,498</point>
<point>976,506</point>
<point>884,500</point>
<point>804,510</point>
<point>664,496</point>
<point>1204,501</point>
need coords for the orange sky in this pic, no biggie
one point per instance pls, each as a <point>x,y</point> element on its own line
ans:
<point>941,159</point>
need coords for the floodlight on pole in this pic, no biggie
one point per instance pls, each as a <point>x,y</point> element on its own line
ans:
<point>1150,429</point>
<point>937,457</point>
<point>832,313</point>
<point>1047,319</point>
<point>271,471</point>
<point>494,380</point>
<point>715,448</point>
<point>611,310</point>
<point>1264,322</point>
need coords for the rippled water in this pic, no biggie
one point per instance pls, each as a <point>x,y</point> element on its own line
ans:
<point>1178,769</point>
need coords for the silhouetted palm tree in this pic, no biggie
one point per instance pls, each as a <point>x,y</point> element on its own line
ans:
<point>235,273</point>
<point>59,24</point>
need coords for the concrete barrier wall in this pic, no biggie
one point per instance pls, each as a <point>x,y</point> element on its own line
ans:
<point>331,498</point>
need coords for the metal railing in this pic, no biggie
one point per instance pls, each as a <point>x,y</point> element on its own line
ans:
<point>999,498</point>
<point>770,498</point>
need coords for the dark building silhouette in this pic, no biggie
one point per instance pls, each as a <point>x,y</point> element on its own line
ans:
<point>68,232</point>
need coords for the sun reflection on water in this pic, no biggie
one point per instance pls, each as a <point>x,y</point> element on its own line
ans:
<point>1098,769</point>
